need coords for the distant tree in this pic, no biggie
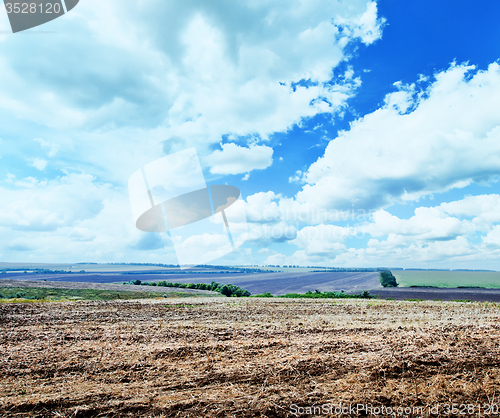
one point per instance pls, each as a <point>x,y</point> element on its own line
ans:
<point>387,279</point>
<point>242,293</point>
<point>263,295</point>
<point>226,290</point>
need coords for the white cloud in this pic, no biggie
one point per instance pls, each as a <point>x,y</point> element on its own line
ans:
<point>444,234</point>
<point>39,164</point>
<point>367,26</point>
<point>492,239</point>
<point>234,159</point>
<point>268,233</point>
<point>427,224</point>
<point>81,234</point>
<point>296,178</point>
<point>47,206</point>
<point>126,80</point>
<point>198,70</point>
<point>421,142</point>
<point>394,252</point>
<point>46,144</point>
<point>482,209</point>
<point>26,183</point>
<point>450,140</point>
<point>323,240</point>
<point>74,218</point>
<point>463,231</point>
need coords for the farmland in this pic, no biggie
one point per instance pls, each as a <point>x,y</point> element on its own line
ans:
<point>488,279</point>
<point>52,294</point>
<point>275,283</point>
<point>222,357</point>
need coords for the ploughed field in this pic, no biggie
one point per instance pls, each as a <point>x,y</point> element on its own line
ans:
<point>275,283</point>
<point>223,357</point>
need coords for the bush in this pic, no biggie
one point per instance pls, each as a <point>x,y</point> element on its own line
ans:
<point>241,293</point>
<point>387,279</point>
<point>327,295</point>
<point>228,290</point>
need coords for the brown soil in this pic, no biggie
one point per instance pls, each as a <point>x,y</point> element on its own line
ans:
<point>245,357</point>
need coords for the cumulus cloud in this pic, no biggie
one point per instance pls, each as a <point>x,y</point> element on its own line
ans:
<point>417,144</point>
<point>74,217</point>
<point>39,164</point>
<point>427,224</point>
<point>52,148</point>
<point>233,159</point>
<point>201,69</point>
<point>47,206</point>
<point>367,26</point>
<point>461,231</point>
<point>421,142</point>
<point>128,83</point>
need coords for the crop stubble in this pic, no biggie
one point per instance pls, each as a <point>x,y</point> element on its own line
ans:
<point>243,357</point>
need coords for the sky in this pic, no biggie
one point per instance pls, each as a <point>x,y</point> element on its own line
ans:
<point>360,134</point>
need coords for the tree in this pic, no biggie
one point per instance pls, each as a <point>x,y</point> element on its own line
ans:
<point>226,290</point>
<point>387,279</point>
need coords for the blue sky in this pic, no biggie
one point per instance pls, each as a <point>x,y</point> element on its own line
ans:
<point>359,133</point>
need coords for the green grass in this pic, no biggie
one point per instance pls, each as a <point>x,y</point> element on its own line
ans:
<point>319,295</point>
<point>39,294</point>
<point>486,279</point>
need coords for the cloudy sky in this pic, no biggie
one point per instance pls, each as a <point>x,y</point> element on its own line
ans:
<point>359,133</point>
